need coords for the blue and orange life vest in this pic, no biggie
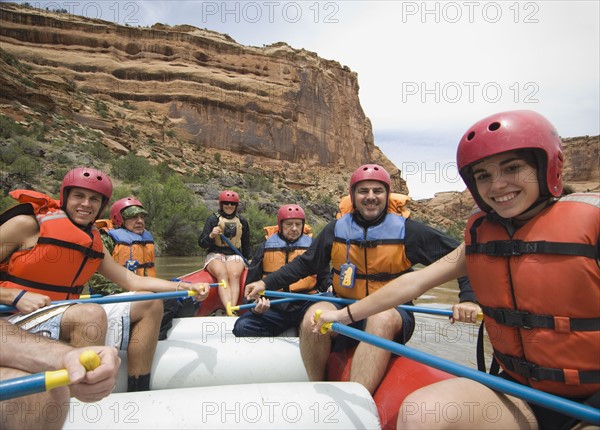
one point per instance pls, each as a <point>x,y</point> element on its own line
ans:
<point>539,289</point>
<point>278,253</point>
<point>64,254</point>
<point>377,252</point>
<point>132,246</point>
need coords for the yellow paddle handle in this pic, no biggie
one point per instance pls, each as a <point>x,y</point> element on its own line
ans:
<point>325,327</point>
<point>59,378</point>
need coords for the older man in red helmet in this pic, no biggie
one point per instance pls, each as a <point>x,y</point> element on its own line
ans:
<point>366,248</point>
<point>287,242</point>
<point>49,250</point>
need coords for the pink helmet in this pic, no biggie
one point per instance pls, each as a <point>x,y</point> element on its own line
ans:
<point>290,212</point>
<point>229,196</point>
<point>115,210</point>
<point>513,131</point>
<point>90,179</point>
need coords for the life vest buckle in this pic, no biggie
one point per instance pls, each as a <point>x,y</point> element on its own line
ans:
<point>513,318</point>
<point>525,369</point>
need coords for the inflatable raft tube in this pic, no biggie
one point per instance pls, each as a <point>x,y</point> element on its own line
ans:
<point>402,377</point>
<point>301,405</point>
<point>185,363</point>
<point>204,328</point>
<point>212,303</point>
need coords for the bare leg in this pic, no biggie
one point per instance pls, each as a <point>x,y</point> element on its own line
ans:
<point>145,325</point>
<point>218,269</point>
<point>83,325</point>
<point>463,404</point>
<point>315,348</point>
<point>235,269</point>
<point>46,410</point>
<point>370,362</point>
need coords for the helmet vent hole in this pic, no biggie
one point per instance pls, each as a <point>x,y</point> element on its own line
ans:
<point>471,135</point>
<point>494,126</point>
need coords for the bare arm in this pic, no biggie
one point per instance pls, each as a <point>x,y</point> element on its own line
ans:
<point>129,281</point>
<point>35,353</point>
<point>18,232</point>
<point>402,289</point>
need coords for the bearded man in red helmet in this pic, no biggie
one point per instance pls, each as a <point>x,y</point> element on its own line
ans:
<point>287,242</point>
<point>50,249</point>
<point>366,248</point>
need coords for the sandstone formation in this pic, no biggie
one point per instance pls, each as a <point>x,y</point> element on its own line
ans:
<point>202,103</point>
<point>278,110</point>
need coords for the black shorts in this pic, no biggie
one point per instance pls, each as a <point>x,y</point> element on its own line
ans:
<point>548,418</point>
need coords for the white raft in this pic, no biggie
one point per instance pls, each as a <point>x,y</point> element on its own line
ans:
<point>204,328</point>
<point>304,405</point>
<point>184,363</point>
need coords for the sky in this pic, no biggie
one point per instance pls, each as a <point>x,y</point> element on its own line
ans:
<point>427,70</point>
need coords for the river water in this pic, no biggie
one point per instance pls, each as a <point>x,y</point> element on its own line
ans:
<point>433,334</point>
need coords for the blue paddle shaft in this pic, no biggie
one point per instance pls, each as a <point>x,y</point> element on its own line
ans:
<point>234,249</point>
<point>22,386</point>
<point>115,299</point>
<point>273,302</point>
<point>342,301</point>
<point>550,401</point>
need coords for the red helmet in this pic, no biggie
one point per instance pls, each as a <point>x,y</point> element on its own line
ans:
<point>512,131</point>
<point>290,212</point>
<point>119,205</point>
<point>229,196</point>
<point>90,179</point>
<point>370,172</point>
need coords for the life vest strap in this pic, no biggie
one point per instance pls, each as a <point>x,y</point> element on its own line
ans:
<point>370,243</point>
<point>532,371</point>
<point>522,319</point>
<point>509,248</point>
<point>133,242</point>
<point>41,286</point>
<point>145,265</point>
<point>87,252</point>
<point>377,277</point>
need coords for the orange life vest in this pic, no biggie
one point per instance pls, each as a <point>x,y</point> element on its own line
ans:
<point>278,253</point>
<point>396,205</point>
<point>64,254</point>
<point>378,254</point>
<point>540,294</point>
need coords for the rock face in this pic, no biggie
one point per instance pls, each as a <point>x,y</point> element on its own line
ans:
<point>274,109</point>
<point>204,104</point>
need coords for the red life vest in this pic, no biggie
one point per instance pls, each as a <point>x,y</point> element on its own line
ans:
<point>540,294</point>
<point>63,259</point>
